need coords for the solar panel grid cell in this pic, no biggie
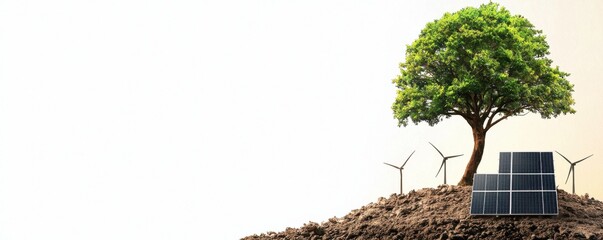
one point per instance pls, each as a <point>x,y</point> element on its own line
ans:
<point>504,164</point>
<point>492,182</point>
<point>526,162</point>
<point>527,182</point>
<point>550,202</point>
<point>479,182</point>
<point>548,182</point>
<point>526,203</point>
<point>490,203</point>
<point>503,203</point>
<point>477,203</point>
<point>547,162</point>
<point>504,182</point>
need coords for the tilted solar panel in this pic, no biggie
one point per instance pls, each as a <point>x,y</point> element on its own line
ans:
<point>525,185</point>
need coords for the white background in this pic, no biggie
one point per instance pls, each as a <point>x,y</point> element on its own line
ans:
<point>220,119</point>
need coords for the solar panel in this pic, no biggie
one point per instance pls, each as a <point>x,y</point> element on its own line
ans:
<point>524,185</point>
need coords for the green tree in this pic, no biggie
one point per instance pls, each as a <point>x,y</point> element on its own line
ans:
<point>484,65</point>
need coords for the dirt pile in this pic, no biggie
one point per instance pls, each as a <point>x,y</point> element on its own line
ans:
<point>443,213</point>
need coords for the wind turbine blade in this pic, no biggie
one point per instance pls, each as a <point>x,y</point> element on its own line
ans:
<point>568,173</point>
<point>392,165</point>
<point>583,159</point>
<point>437,149</point>
<point>413,152</point>
<point>455,156</point>
<point>443,161</point>
<point>564,157</point>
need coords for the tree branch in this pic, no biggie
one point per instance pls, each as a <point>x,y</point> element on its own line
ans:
<point>508,113</point>
<point>474,101</point>
<point>457,112</point>
<point>486,113</point>
<point>490,123</point>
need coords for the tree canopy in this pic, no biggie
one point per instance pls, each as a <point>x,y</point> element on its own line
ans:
<point>483,64</point>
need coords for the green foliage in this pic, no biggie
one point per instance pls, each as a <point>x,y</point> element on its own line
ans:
<point>483,64</point>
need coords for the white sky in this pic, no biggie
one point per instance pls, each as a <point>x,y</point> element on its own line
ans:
<point>219,119</point>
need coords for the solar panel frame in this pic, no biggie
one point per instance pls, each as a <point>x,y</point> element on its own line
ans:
<point>525,186</point>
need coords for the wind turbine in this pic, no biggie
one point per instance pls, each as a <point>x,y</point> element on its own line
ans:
<point>401,168</point>
<point>444,159</point>
<point>572,171</point>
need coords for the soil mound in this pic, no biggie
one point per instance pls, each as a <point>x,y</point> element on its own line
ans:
<point>443,213</point>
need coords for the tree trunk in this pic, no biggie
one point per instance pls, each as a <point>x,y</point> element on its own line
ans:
<point>479,142</point>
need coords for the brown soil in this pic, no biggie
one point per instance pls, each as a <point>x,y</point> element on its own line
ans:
<point>443,213</point>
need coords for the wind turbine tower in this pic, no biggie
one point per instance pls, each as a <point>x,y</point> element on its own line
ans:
<point>401,168</point>
<point>572,170</point>
<point>444,159</point>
